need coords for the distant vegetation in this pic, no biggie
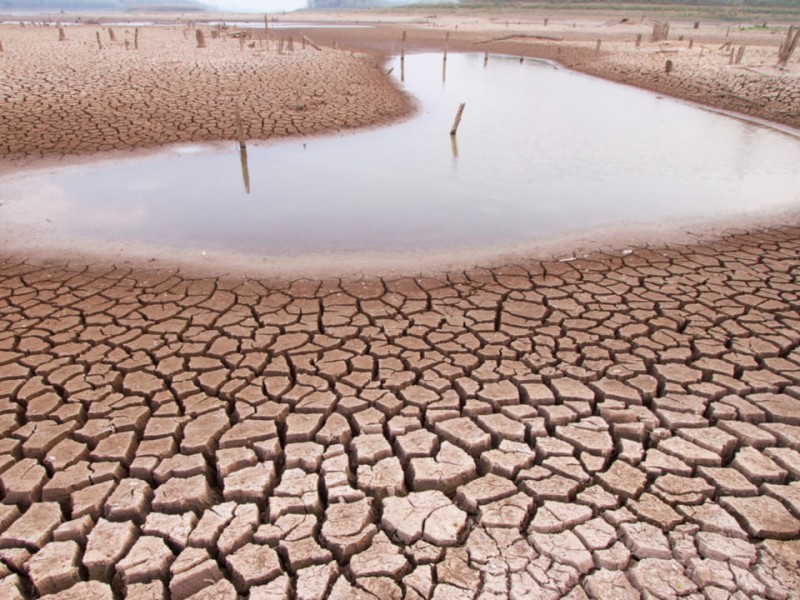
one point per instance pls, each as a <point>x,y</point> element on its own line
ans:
<point>111,5</point>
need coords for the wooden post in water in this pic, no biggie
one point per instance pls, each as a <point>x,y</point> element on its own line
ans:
<point>304,42</point>
<point>697,24</point>
<point>111,35</point>
<point>457,122</point>
<point>99,43</point>
<point>403,49</point>
<point>638,39</point>
<point>290,47</point>
<point>485,58</point>
<point>136,39</point>
<point>1,46</point>
<point>446,41</point>
<point>280,46</point>
<point>241,41</point>
<point>691,43</point>
<point>266,28</point>
<point>668,67</point>
<point>740,54</point>
<point>201,39</point>
<point>597,48</point>
<point>61,35</point>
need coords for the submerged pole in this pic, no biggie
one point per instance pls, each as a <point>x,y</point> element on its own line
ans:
<point>457,121</point>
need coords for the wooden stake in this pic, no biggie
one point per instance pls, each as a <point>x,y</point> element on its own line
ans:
<point>1,46</point>
<point>111,35</point>
<point>241,42</point>
<point>457,121</point>
<point>201,39</point>
<point>99,43</point>
<point>740,54</point>
<point>291,44</point>
<point>240,129</point>
<point>280,46</point>
<point>660,32</point>
<point>310,43</point>
<point>668,67</point>
<point>266,27</point>
<point>446,41</point>
<point>597,49</point>
<point>788,46</point>
<point>403,49</point>
<point>61,35</point>
<point>691,43</point>
<point>638,40</point>
<point>136,39</point>
<point>485,58</point>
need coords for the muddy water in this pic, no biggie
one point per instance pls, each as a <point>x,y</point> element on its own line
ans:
<point>540,152</point>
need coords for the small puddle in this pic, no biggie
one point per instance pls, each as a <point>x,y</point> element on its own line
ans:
<point>540,152</point>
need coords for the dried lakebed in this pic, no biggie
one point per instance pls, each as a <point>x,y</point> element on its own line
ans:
<point>541,152</point>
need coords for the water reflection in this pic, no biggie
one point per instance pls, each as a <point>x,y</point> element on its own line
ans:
<point>541,151</point>
<point>245,171</point>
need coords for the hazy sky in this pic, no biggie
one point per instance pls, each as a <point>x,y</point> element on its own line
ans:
<point>258,5</point>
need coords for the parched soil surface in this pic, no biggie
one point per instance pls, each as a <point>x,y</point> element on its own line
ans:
<point>544,430</point>
<point>71,97</point>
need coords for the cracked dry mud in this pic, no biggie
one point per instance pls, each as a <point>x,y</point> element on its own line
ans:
<point>619,426</point>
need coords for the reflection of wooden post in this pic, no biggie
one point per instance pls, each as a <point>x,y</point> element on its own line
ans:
<point>245,169</point>
<point>454,146</point>
<point>99,43</point>
<point>201,40</point>
<point>136,39</point>
<point>457,121</point>
<point>61,35</point>
<point>240,129</point>
<point>485,58</point>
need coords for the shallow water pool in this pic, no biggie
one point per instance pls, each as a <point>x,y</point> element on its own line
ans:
<point>540,152</point>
